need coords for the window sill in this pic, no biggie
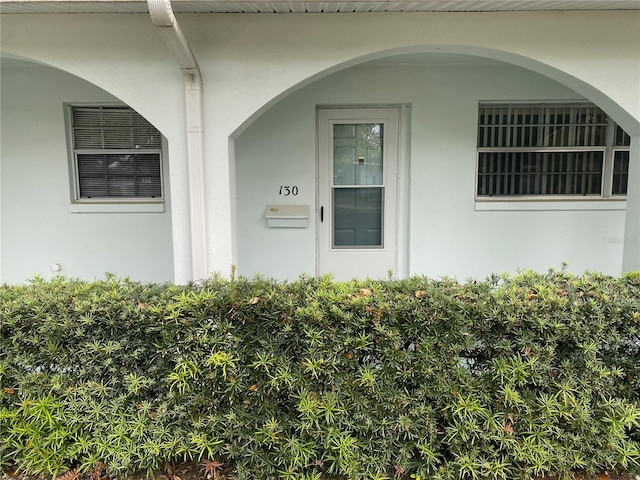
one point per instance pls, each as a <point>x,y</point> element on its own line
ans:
<point>493,205</point>
<point>116,207</point>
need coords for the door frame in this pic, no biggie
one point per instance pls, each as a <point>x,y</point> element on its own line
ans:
<point>402,201</point>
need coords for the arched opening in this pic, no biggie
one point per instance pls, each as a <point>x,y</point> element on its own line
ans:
<point>443,227</point>
<point>85,180</point>
<point>456,54</point>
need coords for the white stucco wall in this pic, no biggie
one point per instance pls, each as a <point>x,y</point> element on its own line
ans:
<point>250,61</point>
<point>125,56</point>
<point>37,228</point>
<point>448,236</point>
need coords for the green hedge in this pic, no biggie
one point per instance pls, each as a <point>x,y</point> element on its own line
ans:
<point>431,379</point>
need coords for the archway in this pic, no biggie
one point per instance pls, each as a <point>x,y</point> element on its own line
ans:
<point>387,78</point>
<point>424,53</point>
<point>49,223</point>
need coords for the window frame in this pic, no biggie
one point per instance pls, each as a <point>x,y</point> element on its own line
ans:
<point>114,203</point>
<point>608,150</point>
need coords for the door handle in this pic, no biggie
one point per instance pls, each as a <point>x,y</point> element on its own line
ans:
<point>321,214</point>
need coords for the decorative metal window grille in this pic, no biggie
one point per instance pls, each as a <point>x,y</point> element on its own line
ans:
<point>117,153</point>
<point>550,150</point>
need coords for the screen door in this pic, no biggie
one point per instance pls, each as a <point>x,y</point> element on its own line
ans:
<point>357,185</point>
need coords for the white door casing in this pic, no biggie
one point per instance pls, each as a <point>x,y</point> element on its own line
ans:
<point>357,192</point>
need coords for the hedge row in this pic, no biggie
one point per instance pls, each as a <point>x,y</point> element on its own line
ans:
<point>430,379</point>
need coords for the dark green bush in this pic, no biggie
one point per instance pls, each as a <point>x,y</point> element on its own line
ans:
<point>506,378</point>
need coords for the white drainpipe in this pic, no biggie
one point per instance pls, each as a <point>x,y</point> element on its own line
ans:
<point>163,18</point>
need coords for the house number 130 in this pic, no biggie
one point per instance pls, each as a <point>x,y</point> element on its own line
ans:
<point>286,190</point>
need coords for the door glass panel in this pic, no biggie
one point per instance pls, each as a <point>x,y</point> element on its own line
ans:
<point>357,154</point>
<point>357,217</point>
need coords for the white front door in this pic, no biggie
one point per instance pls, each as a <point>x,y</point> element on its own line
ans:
<point>357,192</point>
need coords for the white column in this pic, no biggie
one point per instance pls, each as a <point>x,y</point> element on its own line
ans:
<point>631,248</point>
<point>180,215</point>
<point>220,201</point>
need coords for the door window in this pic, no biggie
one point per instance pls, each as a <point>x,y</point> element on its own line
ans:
<point>358,186</point>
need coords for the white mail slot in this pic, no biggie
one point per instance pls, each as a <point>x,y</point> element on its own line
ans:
<point>287,216</point>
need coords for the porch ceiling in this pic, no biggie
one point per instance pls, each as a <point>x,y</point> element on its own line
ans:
<point>310,6</point>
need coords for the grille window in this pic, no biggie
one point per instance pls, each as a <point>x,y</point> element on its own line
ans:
<point>620,172</point>
<point>117,153</point>
<point>550,150</point>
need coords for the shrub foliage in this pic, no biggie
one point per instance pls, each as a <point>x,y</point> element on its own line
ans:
<point>433,379</point>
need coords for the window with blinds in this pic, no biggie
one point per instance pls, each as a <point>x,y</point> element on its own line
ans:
<point>117,153</point>
<point>550,150</point>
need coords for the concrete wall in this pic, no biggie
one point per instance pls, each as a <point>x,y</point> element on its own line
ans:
<point>250,62</point>
<point>450,233</point>
<point>37,228</point>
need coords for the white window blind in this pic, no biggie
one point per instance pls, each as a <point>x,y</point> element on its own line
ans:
<point>117,153</point>
<point>550,150</point>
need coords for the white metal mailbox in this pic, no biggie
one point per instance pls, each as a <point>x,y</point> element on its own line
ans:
<point>287,216</point>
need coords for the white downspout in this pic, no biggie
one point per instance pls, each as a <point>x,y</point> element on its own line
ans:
<point>162,16</point>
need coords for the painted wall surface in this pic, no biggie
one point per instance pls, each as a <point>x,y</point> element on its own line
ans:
<point>448,235</point>
<point>251,61</point>
<point>125,56</point>
<point>37,228</point>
